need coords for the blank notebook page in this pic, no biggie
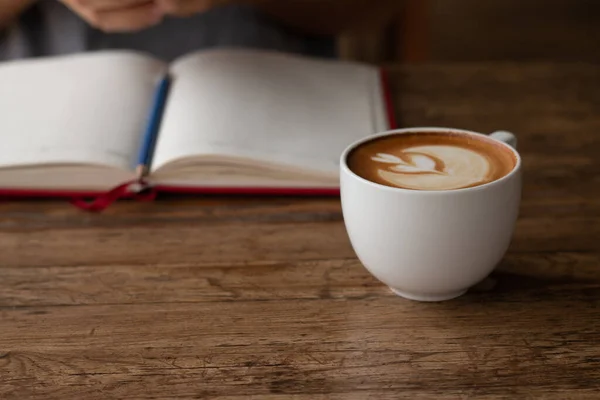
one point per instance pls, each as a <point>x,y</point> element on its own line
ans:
<point>270,107</point>
<point>89,108</point>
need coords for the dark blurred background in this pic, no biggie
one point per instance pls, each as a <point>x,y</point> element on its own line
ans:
<point>414,31</point>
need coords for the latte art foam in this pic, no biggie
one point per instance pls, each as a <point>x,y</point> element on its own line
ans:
<point>436,168</point>
<point>431,161</point>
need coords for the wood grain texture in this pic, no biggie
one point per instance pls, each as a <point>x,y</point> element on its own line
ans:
<point>263,298</point>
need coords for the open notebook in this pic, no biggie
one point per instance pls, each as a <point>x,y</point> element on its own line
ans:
<point>214,121</point>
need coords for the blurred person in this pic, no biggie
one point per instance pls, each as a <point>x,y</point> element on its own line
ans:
<point>168,29</point>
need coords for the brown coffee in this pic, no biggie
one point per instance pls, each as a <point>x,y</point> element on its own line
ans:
<point>432,160</point>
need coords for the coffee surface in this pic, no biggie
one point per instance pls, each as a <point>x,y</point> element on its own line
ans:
<point>431,160</point>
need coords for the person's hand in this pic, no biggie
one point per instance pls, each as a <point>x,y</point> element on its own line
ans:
<point>117,15</point>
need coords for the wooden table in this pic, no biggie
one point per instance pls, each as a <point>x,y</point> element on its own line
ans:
<point>263,298</point>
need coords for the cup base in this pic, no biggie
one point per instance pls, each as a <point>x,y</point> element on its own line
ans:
<point>428,297</point>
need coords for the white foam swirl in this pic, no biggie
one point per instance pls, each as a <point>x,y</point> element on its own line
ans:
<point>434,167</point>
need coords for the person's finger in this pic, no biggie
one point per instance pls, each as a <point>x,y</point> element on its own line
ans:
<point>123,20</point>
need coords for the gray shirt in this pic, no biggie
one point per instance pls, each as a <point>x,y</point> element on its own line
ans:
<point>49,28</point>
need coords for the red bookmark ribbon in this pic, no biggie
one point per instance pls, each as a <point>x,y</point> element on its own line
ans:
<point>103,201</point>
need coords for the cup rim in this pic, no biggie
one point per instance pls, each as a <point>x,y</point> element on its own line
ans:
<point>352,146</point>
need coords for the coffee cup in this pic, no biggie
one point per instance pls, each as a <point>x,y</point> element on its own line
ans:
<point>431,243</point>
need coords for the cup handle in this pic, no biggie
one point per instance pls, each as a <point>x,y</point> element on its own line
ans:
<point>506,137</point>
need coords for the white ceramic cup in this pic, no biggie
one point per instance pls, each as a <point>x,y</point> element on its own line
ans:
<point>430,245</point>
